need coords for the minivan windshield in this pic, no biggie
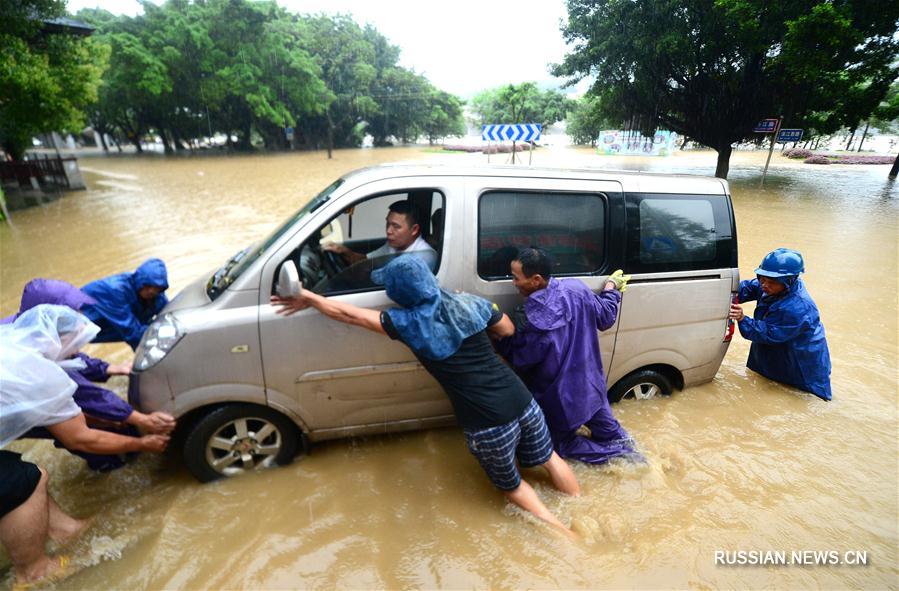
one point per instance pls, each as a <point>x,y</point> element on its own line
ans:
<point>241,261</point>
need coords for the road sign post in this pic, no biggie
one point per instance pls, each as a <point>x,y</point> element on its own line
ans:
<point>762,127</point>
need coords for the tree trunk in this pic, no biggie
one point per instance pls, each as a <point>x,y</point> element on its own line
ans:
<point>865,133</point>
<point>178,141</point>
<point>723,161</point>
<point>330,135</point>
<point>895,170</point>
<point>14,151</point>
<point>135,139</point>
<point>166,144</point>
<point>851,139</point>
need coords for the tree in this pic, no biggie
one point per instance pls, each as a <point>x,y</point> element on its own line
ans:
<point>710,69</point>
<point>585,121</point>
<point>444,117</point>
<point>345,60</point>
<point>520,103</point>
<point>47,78</point>
<point>188,69</point>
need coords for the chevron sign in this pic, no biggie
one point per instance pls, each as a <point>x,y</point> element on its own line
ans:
<point>528,132</point>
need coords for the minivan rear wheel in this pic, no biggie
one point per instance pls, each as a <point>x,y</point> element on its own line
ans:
<point>641,385</point>
<point>240,438</point>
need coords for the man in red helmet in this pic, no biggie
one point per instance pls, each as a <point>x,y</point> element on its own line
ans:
<point>788,341</point>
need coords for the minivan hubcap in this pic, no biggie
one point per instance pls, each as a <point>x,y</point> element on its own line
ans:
<point>643,391</point>
<point>243,444</point>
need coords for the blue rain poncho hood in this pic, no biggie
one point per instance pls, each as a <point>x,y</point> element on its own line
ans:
<point>35,390</point>
<point>432,321</point>
<point>119,311</point>
<point>151,272</point>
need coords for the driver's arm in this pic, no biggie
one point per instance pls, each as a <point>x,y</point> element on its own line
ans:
<point>350,256</point>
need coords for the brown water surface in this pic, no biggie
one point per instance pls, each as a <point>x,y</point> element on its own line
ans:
<point>736,464</point>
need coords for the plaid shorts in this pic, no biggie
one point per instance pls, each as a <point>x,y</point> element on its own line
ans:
<point>496,448</point>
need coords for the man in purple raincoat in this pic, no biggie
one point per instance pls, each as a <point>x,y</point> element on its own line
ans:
<point>555,349</point>
<point>104,408</point>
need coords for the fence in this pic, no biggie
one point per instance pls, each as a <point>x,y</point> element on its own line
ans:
<point>46,171</point>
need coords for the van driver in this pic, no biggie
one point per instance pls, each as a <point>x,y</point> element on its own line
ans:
<point>403,236</point>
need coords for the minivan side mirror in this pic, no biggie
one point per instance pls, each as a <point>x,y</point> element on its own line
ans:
<point>289,285</point>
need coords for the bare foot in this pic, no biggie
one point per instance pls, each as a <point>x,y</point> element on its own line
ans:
<point>69,531</point>
<point>44,570</point>
<point>567,532</point>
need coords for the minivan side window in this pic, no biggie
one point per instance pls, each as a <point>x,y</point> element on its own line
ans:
<point>340,255</point>
<point>678,233</point>
<point>569,226</point>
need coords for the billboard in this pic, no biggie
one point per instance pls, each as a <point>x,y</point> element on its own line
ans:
<point>633,143</point>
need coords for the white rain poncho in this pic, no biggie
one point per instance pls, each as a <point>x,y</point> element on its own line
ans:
<point>34,390</point>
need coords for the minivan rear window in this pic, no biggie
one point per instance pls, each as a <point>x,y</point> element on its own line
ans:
<point>678,233</point>
<point>569,226</point>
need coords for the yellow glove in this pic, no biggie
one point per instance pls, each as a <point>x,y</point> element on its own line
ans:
<point>620,280</point>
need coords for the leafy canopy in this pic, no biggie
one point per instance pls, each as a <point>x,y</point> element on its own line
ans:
<point>46,79</point>
<point>710,69</point>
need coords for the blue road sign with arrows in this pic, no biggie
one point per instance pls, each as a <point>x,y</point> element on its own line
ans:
<point>527,132</point>
<point>788,136</point>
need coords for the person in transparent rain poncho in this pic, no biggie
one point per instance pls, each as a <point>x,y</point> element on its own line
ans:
<point>36,392</point>
<point>103,408</point>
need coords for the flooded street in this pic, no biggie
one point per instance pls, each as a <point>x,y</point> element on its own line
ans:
<point>737,464</point>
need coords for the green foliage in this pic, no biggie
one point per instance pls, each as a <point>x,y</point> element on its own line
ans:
<point>710,69</point>
<point>585,121</point>
<point>519,103</point>
<point>46,80</point>
<point>886,115</point>
<point>186,70</point>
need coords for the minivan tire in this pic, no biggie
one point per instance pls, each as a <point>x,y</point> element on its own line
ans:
<point>642,384</point>
<point>278,445</point>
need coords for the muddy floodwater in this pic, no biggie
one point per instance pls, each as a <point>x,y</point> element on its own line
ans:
<point>736,465</point>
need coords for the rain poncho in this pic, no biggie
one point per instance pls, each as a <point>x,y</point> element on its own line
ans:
<point>788,342</point>
<point>93,400</point>
<point>34,390</point>
<point>555,350</point>
<point>49,291</point>
<point>432,321</point>
<point>119,311</point>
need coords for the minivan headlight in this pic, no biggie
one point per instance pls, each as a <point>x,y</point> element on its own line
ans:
<point>163,334</point>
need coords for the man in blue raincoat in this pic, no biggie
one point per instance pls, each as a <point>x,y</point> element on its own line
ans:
<point>555,349</point>
<point>126,303</point>
<point>448,333</point>
<point>788,341</point>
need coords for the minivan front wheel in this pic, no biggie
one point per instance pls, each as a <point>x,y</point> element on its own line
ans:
<point>641,385</point>
<point>239,438</point>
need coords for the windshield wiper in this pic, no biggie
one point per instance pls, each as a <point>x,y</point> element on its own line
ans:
<point>218,281</point>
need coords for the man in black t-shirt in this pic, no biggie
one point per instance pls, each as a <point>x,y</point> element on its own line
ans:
<point>448,333</point>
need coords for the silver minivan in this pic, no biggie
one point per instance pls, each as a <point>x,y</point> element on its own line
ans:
<point>251,388</point>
